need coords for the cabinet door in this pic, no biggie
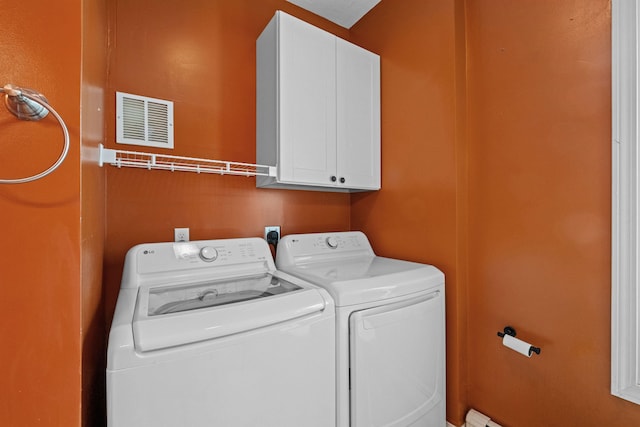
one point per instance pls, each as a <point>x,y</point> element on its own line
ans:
<point>358,116</point>
<point>307,97</point>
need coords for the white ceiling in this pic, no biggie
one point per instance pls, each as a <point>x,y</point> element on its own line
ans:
<point>343,12</point>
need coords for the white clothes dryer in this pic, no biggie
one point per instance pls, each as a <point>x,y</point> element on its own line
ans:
<point>390,320</point>
<point>209,333</point>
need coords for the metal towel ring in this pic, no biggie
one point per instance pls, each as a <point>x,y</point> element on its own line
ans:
<point>28,104</point>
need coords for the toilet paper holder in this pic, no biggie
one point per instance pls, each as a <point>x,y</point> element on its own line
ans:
<point>508,330</point>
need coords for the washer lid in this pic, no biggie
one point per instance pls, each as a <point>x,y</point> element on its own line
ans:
<point>176,299</point>
<point>367,279</point>
<point>167,316</point>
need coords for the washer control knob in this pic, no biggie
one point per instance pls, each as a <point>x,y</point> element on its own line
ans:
<point>332,242</point>
<point>208,254</point>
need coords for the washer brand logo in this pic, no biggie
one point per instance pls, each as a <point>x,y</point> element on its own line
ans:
<point>147,252</point>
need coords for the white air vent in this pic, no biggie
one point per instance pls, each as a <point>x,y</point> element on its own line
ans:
<point>144,121</point>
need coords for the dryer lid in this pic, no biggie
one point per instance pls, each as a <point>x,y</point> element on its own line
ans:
<point>368,279</point>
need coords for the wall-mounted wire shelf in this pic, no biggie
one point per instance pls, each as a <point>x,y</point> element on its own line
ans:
<point>151,161</point>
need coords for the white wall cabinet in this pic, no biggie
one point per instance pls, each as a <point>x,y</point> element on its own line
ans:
<point>318,109</point>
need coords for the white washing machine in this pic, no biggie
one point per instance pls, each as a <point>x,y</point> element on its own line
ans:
<point>390,328</point>
<point>208,333</point>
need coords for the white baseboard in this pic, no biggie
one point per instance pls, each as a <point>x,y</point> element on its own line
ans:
<point>451,425</point>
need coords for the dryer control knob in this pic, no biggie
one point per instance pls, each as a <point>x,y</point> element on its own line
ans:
<point>332,242</point>
<point>208,254</point>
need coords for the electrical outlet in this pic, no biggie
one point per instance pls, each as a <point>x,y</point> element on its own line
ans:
<point>181,234</point>
<point>269,229</point>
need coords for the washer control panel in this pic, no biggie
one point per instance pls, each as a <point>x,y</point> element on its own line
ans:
<point>162,257</point>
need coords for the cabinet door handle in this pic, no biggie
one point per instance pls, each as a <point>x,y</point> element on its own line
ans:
<point>342,180</point>
<point>333,178</point>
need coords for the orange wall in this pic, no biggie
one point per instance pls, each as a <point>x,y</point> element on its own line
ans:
<point>202,58</point>
<point>496,168</point>
<point>414,216</point>
<point>539,185</point>
<point>40,259</point>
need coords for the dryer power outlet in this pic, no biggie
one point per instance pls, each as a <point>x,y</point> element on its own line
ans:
<point>269,232</point>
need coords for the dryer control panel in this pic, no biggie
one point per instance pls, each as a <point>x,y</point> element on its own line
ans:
<point>296,248</point>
